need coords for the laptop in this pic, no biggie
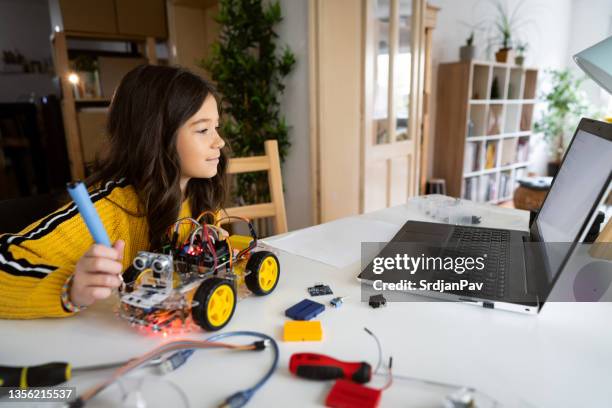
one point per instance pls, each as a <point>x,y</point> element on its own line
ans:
<point>519,268</point>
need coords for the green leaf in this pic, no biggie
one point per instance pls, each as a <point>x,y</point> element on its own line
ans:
<point>566,103</point>
<point>249,73</point>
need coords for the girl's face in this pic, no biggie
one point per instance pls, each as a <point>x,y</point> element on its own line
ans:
<point>198,143</point>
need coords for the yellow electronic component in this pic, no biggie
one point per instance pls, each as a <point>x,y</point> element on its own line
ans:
<point>240,241</point>
<point>298,330</point>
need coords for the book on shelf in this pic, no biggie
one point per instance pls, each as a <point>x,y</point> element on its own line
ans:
<point>470,188</point>
<point>505,185</point>
<point>522,150</point>
<point>470,161</point>
<point>492,188</point>
<point>488,188</point>
<point>491,155</point>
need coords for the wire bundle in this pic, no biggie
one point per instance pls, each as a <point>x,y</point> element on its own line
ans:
<point>209,234</point>
<point>235,400</point>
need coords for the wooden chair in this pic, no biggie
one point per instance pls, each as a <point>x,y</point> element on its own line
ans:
<point>270,163</point>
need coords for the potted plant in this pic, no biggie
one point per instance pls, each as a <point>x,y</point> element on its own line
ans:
<point>565,105</point>
<point>249,48</point>
<point>505,25</point>
<point>503,54</point>
<point>468,51</point>
<point>521,47</point>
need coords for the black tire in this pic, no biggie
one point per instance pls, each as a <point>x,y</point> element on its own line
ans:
<point>254,266</point>
<point>203,296</point>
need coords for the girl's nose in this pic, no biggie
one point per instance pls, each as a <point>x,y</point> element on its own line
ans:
<point>220,142</point>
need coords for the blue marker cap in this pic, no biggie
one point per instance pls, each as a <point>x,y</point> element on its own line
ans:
<point>79,194</point>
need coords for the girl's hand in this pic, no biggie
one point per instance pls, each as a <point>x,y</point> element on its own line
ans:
<point>97,273</point>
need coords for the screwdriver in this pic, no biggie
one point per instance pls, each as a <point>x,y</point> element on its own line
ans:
<point>49,374</point>
<point>43,375</point>
<point>321,367</point>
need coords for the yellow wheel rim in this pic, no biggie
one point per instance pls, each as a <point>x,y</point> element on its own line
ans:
<point>268,273</point>
<point>220,305</point>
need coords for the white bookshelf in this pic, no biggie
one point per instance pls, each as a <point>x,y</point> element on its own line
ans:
<point>489,135</point>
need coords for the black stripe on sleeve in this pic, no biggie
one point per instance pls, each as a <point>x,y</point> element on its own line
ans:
<point>21,267</point>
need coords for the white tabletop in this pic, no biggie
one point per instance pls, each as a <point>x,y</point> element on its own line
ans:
<point>560,358</point>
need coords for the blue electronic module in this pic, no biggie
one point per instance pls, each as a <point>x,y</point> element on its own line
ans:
<point>304,310</point>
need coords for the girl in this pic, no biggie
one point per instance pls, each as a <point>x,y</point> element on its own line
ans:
<point>165,162</point>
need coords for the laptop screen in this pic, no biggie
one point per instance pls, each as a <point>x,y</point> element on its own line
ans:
<point>576,188</point>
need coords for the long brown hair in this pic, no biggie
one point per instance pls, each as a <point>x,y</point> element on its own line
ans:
<point>147,110</point>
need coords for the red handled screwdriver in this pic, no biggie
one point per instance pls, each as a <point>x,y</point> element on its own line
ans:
<point>321,367</point>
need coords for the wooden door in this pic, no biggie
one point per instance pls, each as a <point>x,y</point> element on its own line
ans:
<point>392,102</point>
<point>429,24</point>
<point>335,97</point>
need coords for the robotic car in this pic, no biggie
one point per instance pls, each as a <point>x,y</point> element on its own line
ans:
<point>196,280</point>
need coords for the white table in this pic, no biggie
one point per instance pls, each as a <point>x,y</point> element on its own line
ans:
<point>560,358</point>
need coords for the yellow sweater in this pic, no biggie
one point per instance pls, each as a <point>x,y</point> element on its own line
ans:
<point>35,263</point>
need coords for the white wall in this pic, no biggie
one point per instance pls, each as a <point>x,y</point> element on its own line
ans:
<point>548,33</point>
<point>25,25</point>
<point>293,31</point>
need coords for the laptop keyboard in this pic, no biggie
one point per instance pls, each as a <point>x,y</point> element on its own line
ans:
<point>475,242</point>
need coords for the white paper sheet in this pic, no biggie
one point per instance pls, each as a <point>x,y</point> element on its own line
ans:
<point>336,243</point>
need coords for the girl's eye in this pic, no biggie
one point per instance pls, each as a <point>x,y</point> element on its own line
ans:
<point>203,131</point>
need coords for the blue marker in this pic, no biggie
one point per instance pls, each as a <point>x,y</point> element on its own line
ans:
<point>79,194</point>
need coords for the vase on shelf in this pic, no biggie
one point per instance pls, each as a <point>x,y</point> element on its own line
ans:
<point>467,52</point>
<point>504,55</point>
